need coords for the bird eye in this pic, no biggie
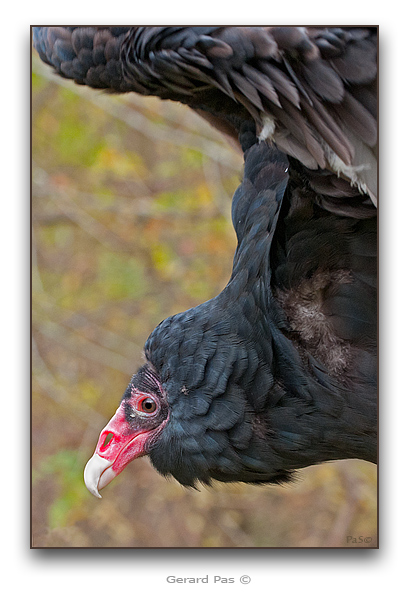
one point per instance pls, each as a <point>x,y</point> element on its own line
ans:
<point>147,405</point>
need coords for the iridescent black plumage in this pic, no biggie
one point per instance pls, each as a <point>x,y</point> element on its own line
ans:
<point>278,371</point>
<point>312,89</point>
<point>248,400</point>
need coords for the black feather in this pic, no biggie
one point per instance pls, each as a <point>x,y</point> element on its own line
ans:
<point>279,370</point>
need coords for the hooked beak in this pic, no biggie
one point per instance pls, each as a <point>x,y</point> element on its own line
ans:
<point>97,474</point>
<point>117,445</point>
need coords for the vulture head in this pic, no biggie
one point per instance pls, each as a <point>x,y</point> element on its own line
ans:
<point>139,420</point>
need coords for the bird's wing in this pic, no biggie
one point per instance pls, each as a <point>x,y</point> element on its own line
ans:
<point>312,90</point>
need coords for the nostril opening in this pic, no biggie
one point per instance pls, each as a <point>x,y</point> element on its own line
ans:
<point>107,440</point>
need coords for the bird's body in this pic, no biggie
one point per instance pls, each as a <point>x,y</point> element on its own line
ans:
<point>252,397</point>
<point>278,371</point>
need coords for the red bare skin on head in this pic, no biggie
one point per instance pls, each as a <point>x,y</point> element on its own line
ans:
<point>118,443</point>
<point>119,440</point>
<point>127,436</point>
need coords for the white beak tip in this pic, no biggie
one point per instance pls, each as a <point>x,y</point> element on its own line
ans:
<point>93,472</point>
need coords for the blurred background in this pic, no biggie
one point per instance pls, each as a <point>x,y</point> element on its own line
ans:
<point>131,223</point>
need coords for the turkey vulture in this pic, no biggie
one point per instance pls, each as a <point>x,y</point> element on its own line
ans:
<point>279,371</point>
